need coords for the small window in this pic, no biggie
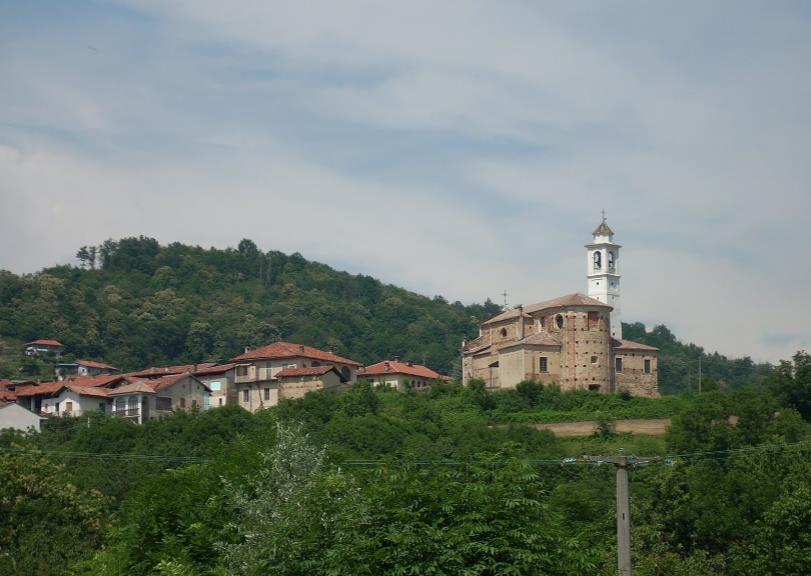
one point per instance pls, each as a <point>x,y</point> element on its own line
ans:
<point>598,261</point>
<point>182,402</point>
<point>503,332</point>
<point>647,366</point>
<point>543,364</point>
<point>618,364</point>
<point>215,386</point>
<point>559,321</point>
<point>594,359</point>
<point>68,406</point>
<point>242,370</point>
<point>194,403</point>
<point>246,395</point>
<point>161,403</point>
<point>594,387</point>
<point>220,401</point>
<point>267,393</point>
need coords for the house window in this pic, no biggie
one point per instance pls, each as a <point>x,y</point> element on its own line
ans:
<point>246,395</point>
<point>647,366</point>
<point>194,403</point>
<point>345,373</point>
<point>559,321</point>
<point>182,402</point>
<point>594,387</point>
<point>543,364</point>
<point>162,403</point>
<point>242,370</point>
<point>503,332</point>
<point>594,359</point>
<point>132,403</point>
<point>68,406</point>
<point>215,386</point>
<point>267,393</point>
<point>102,407</point>
<point>618,364</point>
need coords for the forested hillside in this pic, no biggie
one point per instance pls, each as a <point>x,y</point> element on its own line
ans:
<point>134,303</point>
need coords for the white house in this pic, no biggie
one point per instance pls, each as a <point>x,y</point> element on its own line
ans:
<point>18,418</point>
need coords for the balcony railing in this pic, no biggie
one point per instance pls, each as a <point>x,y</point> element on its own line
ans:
<point>127,412</point>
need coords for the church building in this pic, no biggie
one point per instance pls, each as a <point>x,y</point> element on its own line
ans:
<point>573,340</point>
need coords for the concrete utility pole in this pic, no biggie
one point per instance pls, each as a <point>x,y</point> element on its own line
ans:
<point>621,463</point>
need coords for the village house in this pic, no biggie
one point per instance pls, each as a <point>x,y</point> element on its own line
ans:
<point>220,379</point>
<point>15,417</point>
<point>399,375</point>
<point>260,385</point>
<point>574,341</point>
<point>83,368</point>
<point>118,395</point>
<point>44,347</point>
<point>141,400</point>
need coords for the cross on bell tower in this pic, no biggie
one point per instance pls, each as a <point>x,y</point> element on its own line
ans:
<point>602,271</point>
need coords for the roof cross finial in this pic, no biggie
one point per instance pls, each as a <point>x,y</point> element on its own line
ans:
<point>603,213</point>
<point>505,297</point>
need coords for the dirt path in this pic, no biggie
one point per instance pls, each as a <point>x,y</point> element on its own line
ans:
<point>651,426</point>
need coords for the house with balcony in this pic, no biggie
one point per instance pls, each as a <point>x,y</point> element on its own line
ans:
<point>69,399</point>
<point>44,346</point>
<point>258,382</point>
<point>400,375</point>
<point>141,400</point>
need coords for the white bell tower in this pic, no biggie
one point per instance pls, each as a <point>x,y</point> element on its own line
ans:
<point>604,273</point>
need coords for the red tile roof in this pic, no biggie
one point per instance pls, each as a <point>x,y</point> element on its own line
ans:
<point>397,367</point>
<point>291,350</point>
<point>88,390</point>
<point>570,300</point>
<point>94,364</point>
<point>102,380</point>
<point>138,387</point>
<point>218,369</point>
<point>628,345</point>
<point>156,372</point>
<point>51,343</point>
<point>5,392</point>
<point>39,389</point>
<point>310,371</point>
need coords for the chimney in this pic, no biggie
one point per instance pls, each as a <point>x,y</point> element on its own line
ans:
<point>247,349</point>
<point>301,346</point>
<point>396,359</point>
<point>521,320</point>
<point>386,365</point>
<point>410,363</point>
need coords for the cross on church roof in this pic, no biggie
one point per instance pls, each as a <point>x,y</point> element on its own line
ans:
<point>603,229</point>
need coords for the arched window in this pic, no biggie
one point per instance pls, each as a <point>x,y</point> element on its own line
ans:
<point>503,332</point>
<point>598,261</point>
<point>345,373</point>
<point>559,321</point>
<point>611,260</point>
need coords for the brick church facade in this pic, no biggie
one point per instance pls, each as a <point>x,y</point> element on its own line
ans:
<point>574,340</point>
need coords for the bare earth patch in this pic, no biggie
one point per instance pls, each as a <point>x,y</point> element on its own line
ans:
<point>650,426</point>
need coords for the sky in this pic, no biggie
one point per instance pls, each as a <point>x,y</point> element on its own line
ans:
<point>453,148</point>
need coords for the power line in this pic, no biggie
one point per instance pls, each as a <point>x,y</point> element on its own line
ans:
<point>104,456</point>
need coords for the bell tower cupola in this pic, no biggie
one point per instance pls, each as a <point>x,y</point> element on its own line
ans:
<point>603,273</point>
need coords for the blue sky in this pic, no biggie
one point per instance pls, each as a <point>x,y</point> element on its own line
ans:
<point>454,148</point>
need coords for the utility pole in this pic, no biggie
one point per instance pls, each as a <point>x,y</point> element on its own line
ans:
<point>621,463</point>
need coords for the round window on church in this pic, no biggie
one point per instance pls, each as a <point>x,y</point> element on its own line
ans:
<point>559,321</point>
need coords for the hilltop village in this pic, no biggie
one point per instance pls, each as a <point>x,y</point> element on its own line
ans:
<point>574,341</point>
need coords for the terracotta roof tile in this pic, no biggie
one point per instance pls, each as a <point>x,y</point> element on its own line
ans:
<point>88,390</point>
<point>138,387</point>
<point>629,345</point>
<point>537,339</point>
<point>570,300</point>
<point>42,342</point>
<point>94,364</point>
<point>156,372</point>
<point>39,389</point>
<point>397,367</point>
<point>218,369</point>
<point>291,350</point>
<point>102,380</point>
<point>309,371</point>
